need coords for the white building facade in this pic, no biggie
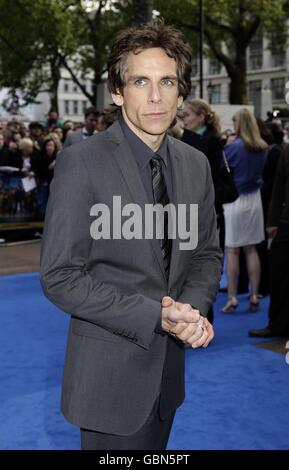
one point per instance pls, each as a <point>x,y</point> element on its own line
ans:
<point>267,75</point>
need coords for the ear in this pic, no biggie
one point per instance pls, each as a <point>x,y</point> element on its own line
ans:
<point>180,101</point>
<point>117,98</point>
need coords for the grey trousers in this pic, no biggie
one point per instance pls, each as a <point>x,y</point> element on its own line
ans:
<point>154,435</point>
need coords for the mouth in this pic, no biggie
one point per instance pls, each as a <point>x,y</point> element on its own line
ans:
<point>154,115</point>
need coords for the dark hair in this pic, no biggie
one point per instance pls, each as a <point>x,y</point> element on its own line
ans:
<point>277,132</point>
<point>150,35</point>
<point>91,110</point>
<point>35,125</point>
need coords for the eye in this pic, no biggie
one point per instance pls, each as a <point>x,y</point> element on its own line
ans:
<point>168,82</point>
<point>140,82</point>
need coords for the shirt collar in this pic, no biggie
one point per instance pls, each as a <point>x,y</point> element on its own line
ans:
<point>142,153</point>
<point>86,133</point>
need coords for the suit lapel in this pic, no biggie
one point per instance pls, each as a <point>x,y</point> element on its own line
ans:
<point>130,173</point>
<point>178,176</point>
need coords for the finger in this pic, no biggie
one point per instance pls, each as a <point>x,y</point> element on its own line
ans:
<point>210,331</point>
<point>211,335</point>
<point>197,332</point>
<point>167,301</point>
<point>185,315</point>
<point>177,328</point>
<point>192,333</point>
<point>200,341</point>
<point>209,326</point>
<point>192,329</point>
<point>182,306</point>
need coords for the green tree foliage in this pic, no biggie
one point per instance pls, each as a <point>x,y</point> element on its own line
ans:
<point>38,38</point>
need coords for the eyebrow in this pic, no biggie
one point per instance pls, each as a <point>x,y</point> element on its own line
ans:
<point>139,77</point>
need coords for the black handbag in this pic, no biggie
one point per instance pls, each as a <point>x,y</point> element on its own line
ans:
<point>226,191</point>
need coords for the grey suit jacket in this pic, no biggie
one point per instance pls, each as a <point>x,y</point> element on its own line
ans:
<point>116,364</point>
<point>73,138</point>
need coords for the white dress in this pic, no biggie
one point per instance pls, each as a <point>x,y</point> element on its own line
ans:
<point>244,222</point>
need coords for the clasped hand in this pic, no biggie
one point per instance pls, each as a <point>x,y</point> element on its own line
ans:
<point>186,323</point>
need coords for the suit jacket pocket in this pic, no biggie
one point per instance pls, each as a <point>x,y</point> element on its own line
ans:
<point>84,328</point>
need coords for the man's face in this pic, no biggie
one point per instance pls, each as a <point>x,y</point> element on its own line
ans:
<point>90,122</point>
<point>150,96</point>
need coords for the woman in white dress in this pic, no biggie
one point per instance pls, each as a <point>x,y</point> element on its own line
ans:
<point>244,224</point>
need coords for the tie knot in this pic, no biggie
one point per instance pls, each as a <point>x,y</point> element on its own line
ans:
<point>156,162</point>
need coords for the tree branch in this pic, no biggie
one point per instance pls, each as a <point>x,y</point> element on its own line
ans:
<point>223,27</point>
<point>8,44</point>
<point>75,78</point>
<point>230,67</point>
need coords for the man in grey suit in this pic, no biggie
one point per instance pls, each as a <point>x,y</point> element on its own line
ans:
<point>135,300</point>
<point>90,121</point>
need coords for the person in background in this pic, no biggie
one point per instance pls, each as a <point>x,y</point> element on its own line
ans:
<point>90,121</point>
<point>59,132</point>
<point>278,230</point>
<point>286,133</point>
<point>42,166</point>
<point>68,127</point>
<point>53,120</point>
<point>244,223</point>
<point>273,135</point>
<point>36,134</point>
<point>202,130</point>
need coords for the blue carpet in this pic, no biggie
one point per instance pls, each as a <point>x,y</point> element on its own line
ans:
<point>237,395</point>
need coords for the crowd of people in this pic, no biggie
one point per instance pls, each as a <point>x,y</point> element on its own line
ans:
<point>257,153</point>
<point>29,152</point>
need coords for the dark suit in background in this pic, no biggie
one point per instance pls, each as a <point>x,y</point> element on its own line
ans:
<point>211,145</point>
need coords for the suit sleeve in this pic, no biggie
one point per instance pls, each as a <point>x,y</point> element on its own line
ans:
<point>64,272</point>
<point>202,281</point>
<point>278,194</point>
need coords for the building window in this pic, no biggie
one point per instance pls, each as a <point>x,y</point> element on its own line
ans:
<point>277,46</point>
<point>278,88</point>
<point>66,87</point>
<point>66,107</point>
<point>84,106</point>
<point>256,53</point>
<point>195,67</point>
<point>278,57</point>
<point>214,67</point>
<point>254,89</point>
<point>75,89</point>
<point>192,94</point>
<point>75,107</point>
<point>215,93</point>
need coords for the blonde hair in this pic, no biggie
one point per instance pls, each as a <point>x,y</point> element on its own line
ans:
<point>247,129</point>
<point>55,138</point>
<point>212,119</point>
<point>25,144</point>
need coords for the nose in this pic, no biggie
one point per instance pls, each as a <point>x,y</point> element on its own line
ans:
<point>154,96</point>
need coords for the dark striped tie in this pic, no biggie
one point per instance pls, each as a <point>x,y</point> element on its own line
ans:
<point>161,197</point>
